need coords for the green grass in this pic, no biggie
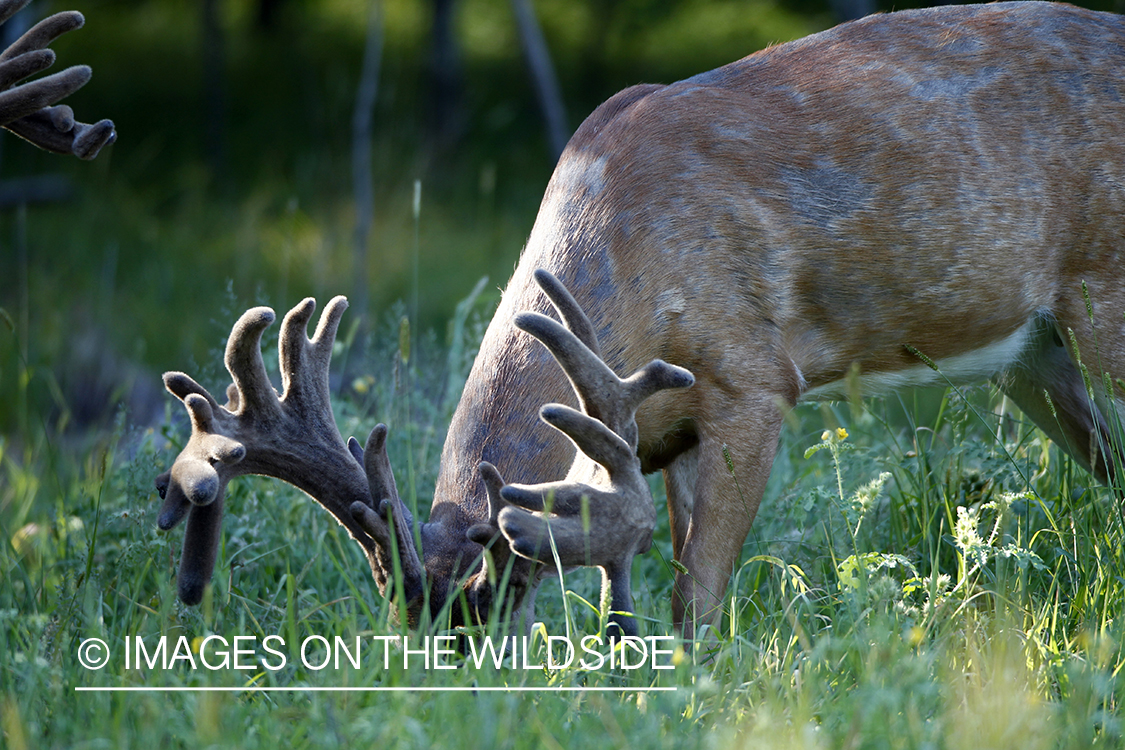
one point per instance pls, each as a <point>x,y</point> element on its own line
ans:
<point>975,600</point>
<point>972,600</point>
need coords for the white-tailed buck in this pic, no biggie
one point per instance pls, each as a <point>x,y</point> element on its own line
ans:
<point>931,186</point>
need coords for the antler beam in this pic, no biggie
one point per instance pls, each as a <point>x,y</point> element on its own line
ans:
<point>291,437</point>
<point>600,515</point>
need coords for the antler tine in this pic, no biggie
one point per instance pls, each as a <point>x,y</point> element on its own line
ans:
<point>43,33</point>
<point>292,437</point>
<point>309,358</point>
<point>54,129</point>
<point>591,436</point>
<point>26,109</point>
<point>194,488</point>
<point>656,376</point>
<point>383,509</point>
<point>602,514</point>
<point>201,539</point>
<point>29,98</point>
<point>200,550</point>
<point>569,310</point>
<point>583,367</point>
<point>380,478</point>
<point>502,569</point>
<point>12,71</point>
<point>604,396</point>
<point>485,534</point>
<point>244,362</point>
<point>181,385</point>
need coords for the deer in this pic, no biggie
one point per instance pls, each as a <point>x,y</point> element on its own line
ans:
<point>31,109</point>
<point>915,198</point>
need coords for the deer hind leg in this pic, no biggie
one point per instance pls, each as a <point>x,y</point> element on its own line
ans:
<point>1048,386</point>
<point>725,504</point>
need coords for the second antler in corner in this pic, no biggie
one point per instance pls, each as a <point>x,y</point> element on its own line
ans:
<point>31,109</point>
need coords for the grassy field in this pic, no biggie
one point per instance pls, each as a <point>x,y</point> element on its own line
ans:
<point>926,571</point>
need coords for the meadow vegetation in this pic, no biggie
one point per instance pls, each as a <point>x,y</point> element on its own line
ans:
<point>927,571</point>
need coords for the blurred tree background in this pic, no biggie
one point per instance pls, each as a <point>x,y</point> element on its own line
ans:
<point>262,157</point>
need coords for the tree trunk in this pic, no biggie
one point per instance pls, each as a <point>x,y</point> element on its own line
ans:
<point>543,76</point>
<point>214,104</point>
<point>362,180</point>
<point>447,116</point>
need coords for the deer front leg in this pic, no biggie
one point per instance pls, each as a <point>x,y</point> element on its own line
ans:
<point>725,505</point>
<point>680,478</point>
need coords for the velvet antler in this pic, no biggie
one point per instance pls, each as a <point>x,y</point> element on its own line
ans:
<point>292,437</point>
<point>26,108</point>
<point>602,514</point>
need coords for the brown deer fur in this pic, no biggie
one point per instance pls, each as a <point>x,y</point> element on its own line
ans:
<point>942,179</point>
<point>925,186</point>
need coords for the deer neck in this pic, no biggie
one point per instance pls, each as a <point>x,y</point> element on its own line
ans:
<point>497,418</point>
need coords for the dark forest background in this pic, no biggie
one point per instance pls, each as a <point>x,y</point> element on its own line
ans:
<point>394,151</point>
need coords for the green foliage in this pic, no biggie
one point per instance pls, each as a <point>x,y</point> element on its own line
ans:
<point>184,203</point>
<point>936,575</point>
<point>900,589</point>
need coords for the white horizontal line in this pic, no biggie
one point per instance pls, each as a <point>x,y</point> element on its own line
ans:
<point>269,689</point>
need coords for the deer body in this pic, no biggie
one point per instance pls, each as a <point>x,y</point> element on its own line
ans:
<point>927,185</point>
<point>943,180</point>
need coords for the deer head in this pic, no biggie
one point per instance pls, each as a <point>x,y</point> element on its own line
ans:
<point>31,110</point>
<point>600,515</point>
<point>934,187</point>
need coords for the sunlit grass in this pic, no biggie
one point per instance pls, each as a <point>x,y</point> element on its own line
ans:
<point>972,599</point>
